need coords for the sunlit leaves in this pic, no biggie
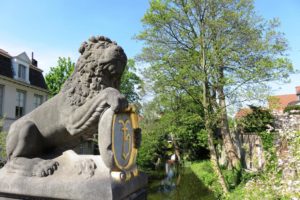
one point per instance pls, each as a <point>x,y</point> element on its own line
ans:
<point>59,74</point>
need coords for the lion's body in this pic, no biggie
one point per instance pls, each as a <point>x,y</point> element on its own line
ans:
<point>41,117</point>
<point>75,112</point>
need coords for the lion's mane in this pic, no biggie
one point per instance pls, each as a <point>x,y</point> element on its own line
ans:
<point>100,65</point>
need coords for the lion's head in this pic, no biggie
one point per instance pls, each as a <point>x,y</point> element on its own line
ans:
<point>100,65</point>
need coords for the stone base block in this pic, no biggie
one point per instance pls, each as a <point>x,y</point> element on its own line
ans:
<point>74,179</point>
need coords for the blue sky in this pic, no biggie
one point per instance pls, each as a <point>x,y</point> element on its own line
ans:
<point>56,28</point>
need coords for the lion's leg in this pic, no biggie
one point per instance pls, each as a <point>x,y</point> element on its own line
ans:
<point>92,110</point>
<point>24,143</point>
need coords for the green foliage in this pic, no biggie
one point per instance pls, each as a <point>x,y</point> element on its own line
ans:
<point>162,118</point>
<point>131,84</point>
<point>182,118</point>
<point>267,184</point>
<point>257,121</point>
<point>206,174</point>
<point>207,50</point>
<point>130,81</point>
<point>268,140</point>
<point>3,144</point>
<point>198,44</point>
<point>152,139</point>
<point>232,177</point>
<point>255,189</point>
<point>179,116</point>
<point>59,74</point>
<point>296,108</point>
<point>151,150</point>
<point>3,136</point>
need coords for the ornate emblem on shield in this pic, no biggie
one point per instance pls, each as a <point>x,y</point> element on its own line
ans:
<point>123,137</point>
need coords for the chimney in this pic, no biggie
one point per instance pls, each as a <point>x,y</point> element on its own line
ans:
<point>298,92</point>
<point>33,61</point>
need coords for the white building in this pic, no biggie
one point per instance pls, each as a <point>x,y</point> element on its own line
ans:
<point>22,86</point>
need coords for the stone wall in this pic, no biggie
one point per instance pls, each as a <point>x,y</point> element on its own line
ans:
<point>287,126</point>
<point>251,151</point>
<point>251,148</point>
<point>287,122</point>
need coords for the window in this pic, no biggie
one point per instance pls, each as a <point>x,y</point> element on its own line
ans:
<point>22,72</point>
<point>38,100</point>
<point>1,99</point>
<point>20,107</point>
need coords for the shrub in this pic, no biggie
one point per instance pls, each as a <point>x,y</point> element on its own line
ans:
<point>256,121</point>
<point>3,135</point>
<point>288,109</point>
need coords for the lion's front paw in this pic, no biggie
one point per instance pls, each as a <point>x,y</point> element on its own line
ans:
<point>86,167</point>
<point>44,168</point>
<point>116,100</point>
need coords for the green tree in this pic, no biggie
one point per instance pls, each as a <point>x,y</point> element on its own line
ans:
<point>152,147</point>
<point>59,74</point>
<point>170,116</point>
<point>132,85</point>
<point>212,50</point>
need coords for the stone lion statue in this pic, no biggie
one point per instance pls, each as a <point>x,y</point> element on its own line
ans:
<point>74,113</point>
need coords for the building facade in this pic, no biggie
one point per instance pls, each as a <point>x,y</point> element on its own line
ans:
<point>22,86</point>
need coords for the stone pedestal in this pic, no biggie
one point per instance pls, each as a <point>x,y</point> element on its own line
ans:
<point>75,178</point>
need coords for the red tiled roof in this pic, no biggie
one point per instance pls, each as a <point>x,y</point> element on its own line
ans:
<point>279,102</point>
<point>242,113</point>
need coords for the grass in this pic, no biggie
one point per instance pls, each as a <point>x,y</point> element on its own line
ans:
<point>243,186</point>
<point>236,181</point>
<point>205,173</point>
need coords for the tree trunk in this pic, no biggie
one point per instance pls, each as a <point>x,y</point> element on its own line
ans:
<point>231,152</point>
<point>214,161</point>
<point>209,128</point>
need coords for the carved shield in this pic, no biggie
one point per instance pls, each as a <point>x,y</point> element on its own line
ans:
<point>123,139</point>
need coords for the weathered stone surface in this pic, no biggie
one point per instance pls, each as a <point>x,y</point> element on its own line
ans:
<point>286,122</point>
<point>88,103</point>
<point>88,179</point>
<point>74,113</point>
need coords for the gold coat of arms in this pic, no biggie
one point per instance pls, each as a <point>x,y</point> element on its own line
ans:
<point>123,138</point>
<point>119,142</point>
